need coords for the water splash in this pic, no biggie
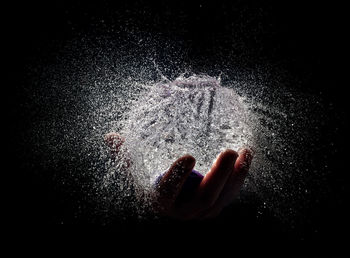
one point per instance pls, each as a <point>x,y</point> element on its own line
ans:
<point>190,115</point>
<point>161,120</point>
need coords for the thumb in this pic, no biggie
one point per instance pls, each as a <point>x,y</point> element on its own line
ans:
<point>114,141</point>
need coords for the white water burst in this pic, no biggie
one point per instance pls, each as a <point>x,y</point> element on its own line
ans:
<point>193,115</point>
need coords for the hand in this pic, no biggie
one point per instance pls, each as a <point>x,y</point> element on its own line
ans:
<point>219,187</point>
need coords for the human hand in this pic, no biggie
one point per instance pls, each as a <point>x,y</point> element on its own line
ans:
<point>218,188</point>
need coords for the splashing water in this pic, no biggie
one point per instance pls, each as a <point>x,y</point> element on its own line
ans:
<point>161,120</point>
<point>193,115</point>
<point>199,116</point>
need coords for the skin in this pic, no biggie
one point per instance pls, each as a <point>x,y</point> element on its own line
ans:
<point>219,187</point>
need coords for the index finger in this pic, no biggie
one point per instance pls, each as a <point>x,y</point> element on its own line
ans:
<point>171,183</point>
<point>213,182</point>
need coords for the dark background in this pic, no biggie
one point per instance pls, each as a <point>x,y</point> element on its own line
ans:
<point>306,40</point>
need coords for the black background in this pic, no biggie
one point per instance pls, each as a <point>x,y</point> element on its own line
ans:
<point>306,40</point>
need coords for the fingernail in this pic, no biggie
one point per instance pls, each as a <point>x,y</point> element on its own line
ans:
<point>228,159</point>
<point>187,162</point>
<point>247,157</point>
<point>113,139</point>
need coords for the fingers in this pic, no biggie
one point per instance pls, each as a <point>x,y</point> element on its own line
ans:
<point>237,177</point>
<point>233,184</point>
<point>213,183</point>
<point>243,162</point>
<point>171,183</point>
